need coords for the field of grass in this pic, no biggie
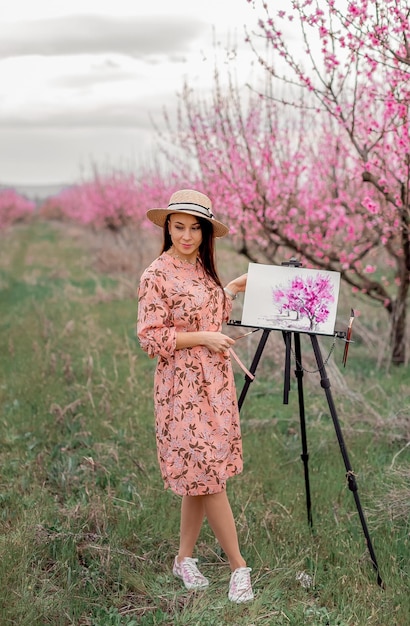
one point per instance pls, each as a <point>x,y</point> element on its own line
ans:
<point>88,534</point>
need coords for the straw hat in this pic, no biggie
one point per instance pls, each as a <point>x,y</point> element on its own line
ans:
<point>191,202</point>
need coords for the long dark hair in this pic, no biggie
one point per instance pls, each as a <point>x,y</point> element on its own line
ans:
<point>206,249</point>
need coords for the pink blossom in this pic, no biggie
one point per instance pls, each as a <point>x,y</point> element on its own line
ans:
<point>370,205</point>
<point>14,207</point>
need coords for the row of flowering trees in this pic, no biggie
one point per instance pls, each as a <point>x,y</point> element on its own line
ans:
<point>112,201</point>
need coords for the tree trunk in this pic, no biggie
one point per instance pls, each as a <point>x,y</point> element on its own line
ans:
<point>398,327</point>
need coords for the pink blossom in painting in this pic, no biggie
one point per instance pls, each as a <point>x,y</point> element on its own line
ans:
<point>308,298</point>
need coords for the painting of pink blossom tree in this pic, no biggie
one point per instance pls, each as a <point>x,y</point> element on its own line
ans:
<point>310,299</point>
<point>289,298</point>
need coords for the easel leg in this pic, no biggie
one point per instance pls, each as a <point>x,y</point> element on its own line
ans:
<point>351,480</point>
<point>287,337</point>
<point>305,454</point>
<point>253,366</point>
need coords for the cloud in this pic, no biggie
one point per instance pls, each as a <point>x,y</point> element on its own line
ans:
<point>109,114</point>
<point>107,73</point>
<point>93,34</point>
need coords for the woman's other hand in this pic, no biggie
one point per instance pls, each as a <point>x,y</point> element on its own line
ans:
<point>237,284</point>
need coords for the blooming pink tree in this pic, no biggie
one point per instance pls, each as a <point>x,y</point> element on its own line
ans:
<point>14,207</point>
<point>320,169</point>
<point>284,191</point>
<point>356,70</point>
<point>104,201</point>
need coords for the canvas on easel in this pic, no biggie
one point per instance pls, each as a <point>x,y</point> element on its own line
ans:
<point>291,298</point>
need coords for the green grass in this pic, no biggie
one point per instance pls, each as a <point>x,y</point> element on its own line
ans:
<point>88,533</point>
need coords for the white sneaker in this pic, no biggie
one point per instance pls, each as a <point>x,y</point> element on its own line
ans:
<point>189,573</point>
<point>240,586</point>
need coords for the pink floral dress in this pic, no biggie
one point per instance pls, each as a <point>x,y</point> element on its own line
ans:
<point>197,419</point>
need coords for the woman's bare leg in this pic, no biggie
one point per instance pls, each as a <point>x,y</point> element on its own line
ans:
<point>192,517</point>
<point>220,517</point>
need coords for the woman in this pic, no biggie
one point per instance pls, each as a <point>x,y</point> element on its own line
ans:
<point>182,306</point>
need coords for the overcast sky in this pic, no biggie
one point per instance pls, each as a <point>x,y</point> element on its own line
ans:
<point>79,79</point>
